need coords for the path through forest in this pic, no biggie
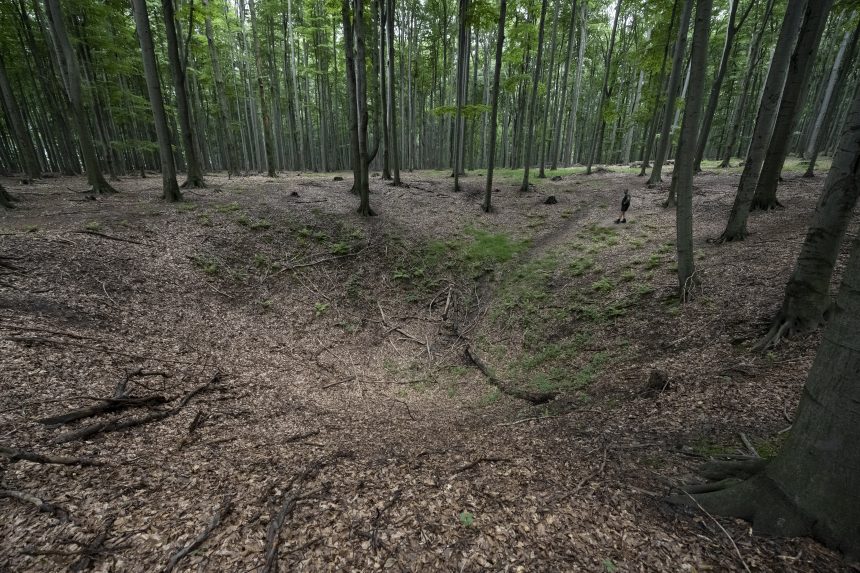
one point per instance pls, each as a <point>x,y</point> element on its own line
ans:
<point>340,405</point>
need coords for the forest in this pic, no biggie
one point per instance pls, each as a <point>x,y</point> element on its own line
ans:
<point>424,285</point>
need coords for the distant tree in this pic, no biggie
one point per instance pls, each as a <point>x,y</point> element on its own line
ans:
<point>71,73</point>
<point>597,140</point>
<point>26,150</point>
<point>811,487</point>
<point>363,183</point>
<point>682,175</point>
<point>394,155</point>
<point>736,229</point>
<point>491,155</point>
<point>533,99</point>
<point>268,141</point>
<point>153,85</point>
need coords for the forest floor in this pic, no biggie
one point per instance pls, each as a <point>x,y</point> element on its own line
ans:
<point>343,420</point>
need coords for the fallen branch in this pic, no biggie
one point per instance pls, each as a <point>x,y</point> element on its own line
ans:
<point>14,455</point>
<point>484,460</point>
<point>522,394</point>
<point>749,445</point>
<point>107,405</point>
<point>112,237</point>
<point>44,506</point>
<point>92,548</point>
<point>303,436</point>
<point>219,515</point>
<point>723,529</point>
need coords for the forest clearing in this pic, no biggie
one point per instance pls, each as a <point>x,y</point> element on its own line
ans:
<point>340,339</point>
<point>429,285</point>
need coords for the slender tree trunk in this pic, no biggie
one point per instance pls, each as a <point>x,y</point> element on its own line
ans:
<point>497,73</point>
<point>220,95</point>
<point>597,140</point>
<point>577,80</point>
<point>812,487</point>
<point>72,81</point>
<point>682,175</point>
<point>559,115</point>
<point>462,57</point>
<point>544,140</point>
<point>363,183</point>
<point>392,120</point>
<point>382,108</point>
<point>713,99</point>
<point>194,173</point>
<point>150,70</point>
<point>533,100</point>
<point>261,90</point>
<point>736,229</point>
<point>352,102</point>
<point>26,150</point>
<point>674,81</point>
<point>793,96</point>
<point>841,70</point>
<point>298,134</point>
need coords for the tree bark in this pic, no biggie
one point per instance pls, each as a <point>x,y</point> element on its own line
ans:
<point>559,122</point>
<point>544,140</point>
<point>69,67</point>
<point>533,100</point>
<point>462,57</point>
<point>26,149</point>
<point>736,229</point>
<point>6,200</point>
<point>682,175</point>
<point>363,183</point>
<point>812,487</point>
<point>597,140</point>
<point>153,85</point>
<point>671,93</point>
<point>261,90</point>
<point>497,73</point>
<point>394,155</point>
<point>352,102</point>
<point>793,96</point>
<point>577,81</point>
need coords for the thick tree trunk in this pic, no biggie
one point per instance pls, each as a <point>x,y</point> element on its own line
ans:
<point>26,150</point>
<point>838,81</point>
<point>765,121</point>
<point>533,100</point>
<point>497,73</point>
<point>682,175</point>
<point>6,200</point>
<point>793,96</point>
<point>671,93</point>
<point>812,488</point>
<point>363,183</point>
<point>713,99</point>
<point>68,61</point>
<point>806,304</point>
<point>394,155</point>
<point>150,71</point>
<point>194,173</point>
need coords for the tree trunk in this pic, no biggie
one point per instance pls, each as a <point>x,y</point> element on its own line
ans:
<point>261,90</point>
<point>6,200</point>
<point>597,141</point>
<point>72,81</point>
<point>559,121</point>
<point>793,96</point>
<point>150,71</point>
<point>671,93</point>
<point>812,487</point>
<point>194,173</point>
<point>221,95</point>
<point>533,100</point>
<point>497,73</point>
<point>765,121</point>
<point>462,57</point>
<point>363,183</point>
<point>544,140</point>
<point>394,155</point>
<point>713,99</point>
<point>682,175</point>
<point>352,102</point>
<point>577,81</point>
<point>26,150</point>
<point>838,80</point>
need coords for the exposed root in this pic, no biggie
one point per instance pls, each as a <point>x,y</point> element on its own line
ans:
<point>786,325</point>
<point>222,512</point>
<point>193,183</point>
<point>768,204</point>
<point>710,486</point>
<point>14,455</point>
<point>61,514</point>
<point>739,469</point>
<point>506,388</point>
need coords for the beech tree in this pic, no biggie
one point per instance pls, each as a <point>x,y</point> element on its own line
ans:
<point>533,100</point>
<point>497,73</point>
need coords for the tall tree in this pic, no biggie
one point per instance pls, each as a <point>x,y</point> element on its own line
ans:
<point>363,183</point>
<point>682,175</point>
<point>533,99</point>
<point>558,124</point>
<point>194,172</point>
<point>491,155</point>
<point>462,59</point>
<point>713,99</point>
<point>352,102</point>
<point>671,93</point>
<point>544,140</point>
<point>221,96</point>
<point>261,94</point>
<point>68,64</point>
<point>811,487</point>
<point>153,86</point>
<point>736,229</point>
<point>26,149</point>
<point>394,155</point>
<point>793,96</point>
<point>605,92</point>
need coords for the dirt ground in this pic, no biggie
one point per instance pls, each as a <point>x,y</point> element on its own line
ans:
<point>342,418</point>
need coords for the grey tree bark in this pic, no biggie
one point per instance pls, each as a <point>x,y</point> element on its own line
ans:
<point>497,73</point>
<point>194,175</point>
<point>597,140</point>
<point>462,58</point>
<point>812,487</point>
<point>533,100</point>
<point>544,140</point>
<point>261,93</point>
<point>68,64</point>
<point>682,175</point>
<point>736,229</point>
<point>793,96</point>
<point>394,155</point>
<point>562,101</point>
<point>363,183</point>
<point>153,86</point>
<point>221,96</point>
<point>7,200</point>
<point>24,142</point>
<point>352,102</point>
<point>671,93</point>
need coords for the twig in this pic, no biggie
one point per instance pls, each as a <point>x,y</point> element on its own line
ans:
<point>219,515</point>
<point>470,465</point>
<point>112,238</point>
<point>749,445</point>
<point>350,379</point>
<point>297,437</point>
<point>92,548</point>
<point>723,529</point>
<point>14,455</point>
<point>408,411</point>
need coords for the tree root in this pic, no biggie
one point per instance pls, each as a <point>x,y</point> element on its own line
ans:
<point>222,512</point>
<point>710,486</point>
<point>787,325</point>
<point>739,469</point>
<point>527,395</point>
<point>61,514</point>
<point>768,204</point>
<point>14,455</point>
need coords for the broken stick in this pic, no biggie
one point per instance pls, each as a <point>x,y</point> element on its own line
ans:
<point>219,515</point>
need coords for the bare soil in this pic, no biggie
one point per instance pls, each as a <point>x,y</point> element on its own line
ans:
<point>342,385</point>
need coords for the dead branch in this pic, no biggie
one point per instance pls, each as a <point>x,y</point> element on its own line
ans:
<point>297,437</point>
<point>107,405</point>
<point>14,455</point>
<point>749,445</point>
<point>408,411</point>
<point>483,460</point>
<point>112,237</point>
<point>723,529</point>
<point>61,514</point>
<point>92,548</point>
<point>350,379</point>
<point>223,511</point>
<point>510,390</point>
